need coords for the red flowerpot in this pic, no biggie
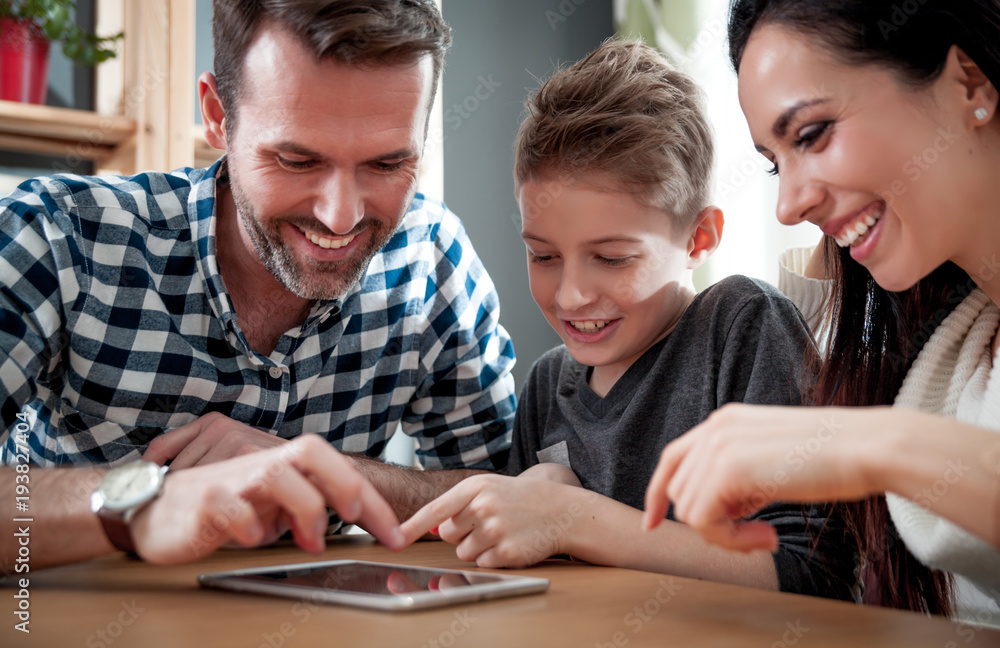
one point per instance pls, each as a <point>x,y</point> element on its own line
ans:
<point>24,61</point>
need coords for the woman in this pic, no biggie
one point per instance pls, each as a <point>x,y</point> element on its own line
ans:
<point>881,123</point>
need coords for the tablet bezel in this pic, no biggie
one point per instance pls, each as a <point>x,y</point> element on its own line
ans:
<point>504,585</point>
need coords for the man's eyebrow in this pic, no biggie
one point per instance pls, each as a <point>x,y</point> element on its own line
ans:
<point>297,149</point>
<point>399,154</point>
<point>781,123</point>
<point>528,236</point>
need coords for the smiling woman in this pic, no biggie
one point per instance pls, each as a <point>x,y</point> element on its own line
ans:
<point>881,124</point>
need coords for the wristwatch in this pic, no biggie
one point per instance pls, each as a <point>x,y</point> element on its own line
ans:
<point>121,494</point>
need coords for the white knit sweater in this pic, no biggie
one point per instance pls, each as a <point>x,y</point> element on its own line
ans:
<point>952,376</point>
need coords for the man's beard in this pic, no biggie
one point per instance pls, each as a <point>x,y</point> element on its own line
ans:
<point>309,279</point>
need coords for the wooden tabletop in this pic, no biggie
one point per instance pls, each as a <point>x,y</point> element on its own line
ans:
<point>115,601</point>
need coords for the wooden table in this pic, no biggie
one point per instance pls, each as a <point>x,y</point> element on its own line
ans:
<point>115,601</point>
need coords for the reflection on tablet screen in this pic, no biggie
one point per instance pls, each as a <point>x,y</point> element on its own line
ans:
<point>368,579</point>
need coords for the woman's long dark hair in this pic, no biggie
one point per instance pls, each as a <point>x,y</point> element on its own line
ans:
<point>877,334</point>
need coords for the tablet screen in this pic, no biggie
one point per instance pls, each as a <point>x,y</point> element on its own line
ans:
<point>377,585</point>
<point>372,578</point>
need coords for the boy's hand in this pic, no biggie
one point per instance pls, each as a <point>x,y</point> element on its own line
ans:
<point>553,472</point>
<point>498,521</point>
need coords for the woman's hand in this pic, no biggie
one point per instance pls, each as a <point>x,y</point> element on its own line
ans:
<point>744,457</point>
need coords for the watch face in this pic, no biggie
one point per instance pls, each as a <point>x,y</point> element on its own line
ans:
<point>129,485</point>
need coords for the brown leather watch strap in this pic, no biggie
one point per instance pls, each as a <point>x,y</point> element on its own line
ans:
<point>118,533</point>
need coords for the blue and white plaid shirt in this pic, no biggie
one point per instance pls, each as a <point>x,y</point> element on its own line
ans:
<point>115,326</point>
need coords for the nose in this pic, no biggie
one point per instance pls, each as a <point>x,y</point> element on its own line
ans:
<point>798,197</point>
<point>575,290</point>
<point>340,202</point>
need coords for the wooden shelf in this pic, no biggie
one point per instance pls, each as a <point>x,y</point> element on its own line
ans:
<point>31,128</point>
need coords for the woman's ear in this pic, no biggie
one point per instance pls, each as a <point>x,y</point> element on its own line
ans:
<point>706,236</point>
<point>212,112</point>
<point>979,97</point>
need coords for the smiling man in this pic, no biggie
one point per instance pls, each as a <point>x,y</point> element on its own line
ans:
<point>298,286</point>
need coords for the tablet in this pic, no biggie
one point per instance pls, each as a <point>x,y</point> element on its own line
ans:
<point>380,586</point>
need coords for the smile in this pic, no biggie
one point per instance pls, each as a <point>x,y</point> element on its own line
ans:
<point>855,232</point>
<point>589,326</point>
<point>328,243</point>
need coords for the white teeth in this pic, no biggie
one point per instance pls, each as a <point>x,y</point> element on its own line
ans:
<point>325,243</point>
<point>589,326</point>
<point>854,234</point>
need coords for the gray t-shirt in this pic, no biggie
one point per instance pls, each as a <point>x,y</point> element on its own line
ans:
<point>738,341</point>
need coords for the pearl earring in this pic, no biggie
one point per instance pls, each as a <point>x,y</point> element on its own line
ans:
<point>981,113</point>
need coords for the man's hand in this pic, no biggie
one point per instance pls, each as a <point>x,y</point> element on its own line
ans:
<point>495,519</point>
<point>209,438</point>
<point>255,498</point>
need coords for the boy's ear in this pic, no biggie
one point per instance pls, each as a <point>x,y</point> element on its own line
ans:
<point>212,112</point>
<point>706,236</point>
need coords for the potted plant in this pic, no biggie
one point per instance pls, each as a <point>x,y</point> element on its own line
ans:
<point>27,27</point>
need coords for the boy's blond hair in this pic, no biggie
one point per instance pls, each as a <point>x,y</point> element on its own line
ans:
<point>626,113</point>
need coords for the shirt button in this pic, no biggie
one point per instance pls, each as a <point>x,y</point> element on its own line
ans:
<point>275,372</point>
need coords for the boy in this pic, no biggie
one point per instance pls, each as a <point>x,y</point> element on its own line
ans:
<point>612,172</point>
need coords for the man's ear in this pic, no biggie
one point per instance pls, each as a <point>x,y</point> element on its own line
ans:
<point>212,112</point>
<point>706,236</point>
<point>977,91</point>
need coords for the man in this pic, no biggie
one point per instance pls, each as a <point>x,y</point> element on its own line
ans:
<point>298,286</point>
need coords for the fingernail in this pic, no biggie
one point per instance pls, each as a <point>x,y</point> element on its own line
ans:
<point>434,531</point>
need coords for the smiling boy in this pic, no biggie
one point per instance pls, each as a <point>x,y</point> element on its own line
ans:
<point>612,170</point>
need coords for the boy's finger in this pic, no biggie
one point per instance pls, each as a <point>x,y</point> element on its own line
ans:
<point>434,513</point>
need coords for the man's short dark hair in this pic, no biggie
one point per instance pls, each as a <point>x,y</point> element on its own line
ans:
<point>363,32</point>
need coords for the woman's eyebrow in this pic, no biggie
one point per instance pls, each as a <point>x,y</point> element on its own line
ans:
<point>781,123</point>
